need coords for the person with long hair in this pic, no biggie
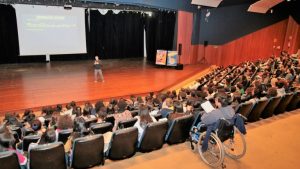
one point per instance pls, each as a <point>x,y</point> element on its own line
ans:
<point>143,119</point>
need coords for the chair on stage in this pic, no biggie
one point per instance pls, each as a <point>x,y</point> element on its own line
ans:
<point>153,137</point>
<point>179,130</point>
<point>123,144</point>
<point>47,156</point>
<point>101,128</point>
<point>87,152</point>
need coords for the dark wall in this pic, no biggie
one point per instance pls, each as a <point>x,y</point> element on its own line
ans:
<point>229,23</point>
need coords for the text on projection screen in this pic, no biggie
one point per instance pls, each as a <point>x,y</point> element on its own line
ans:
<point>50,30</point>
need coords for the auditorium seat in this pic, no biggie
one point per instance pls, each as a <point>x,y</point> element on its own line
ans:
<point>153,137</point>
<point>269,109</point>
<point>47,156</point>
<point>285,100</point>
<point>197,118</point>
<point>29,139</point>
<point>134,113</point>
<point>293,105</point>
<point>88,123</point>
<point>87,152</point>
<point>17,130</point>
<point>123,144</point>
<point>179,129</point>
<point>256,111</point>
<point>101,128</point>
<point>110,119</point>
<point>27,132</point>
<point>9,160</point>
<point>157,116</point>
<point>245,108</point>
<point>127,123</point>
<point>63,135</point>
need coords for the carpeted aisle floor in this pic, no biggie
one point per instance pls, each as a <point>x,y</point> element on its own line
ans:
<point>272,143</point>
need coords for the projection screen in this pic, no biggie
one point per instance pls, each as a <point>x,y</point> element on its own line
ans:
<point>50,30</point>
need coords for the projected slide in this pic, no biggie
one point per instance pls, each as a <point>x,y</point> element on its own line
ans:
<point>161,57</point>
<point>172,58</point>
<point>50,30</point>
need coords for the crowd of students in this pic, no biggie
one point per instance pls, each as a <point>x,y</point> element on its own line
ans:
<point>247,82</point>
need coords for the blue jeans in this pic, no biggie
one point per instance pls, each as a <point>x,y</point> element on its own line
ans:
<point>96,72</point>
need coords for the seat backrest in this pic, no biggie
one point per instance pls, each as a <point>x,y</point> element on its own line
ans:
<point>269,109</point>
<point>157,116</point>
<point>134,113</point>
<point>9,160</point>
<point>27,132</point>
<point>285,100</point>
<point>294,102</point>
<point>30,139</point>
<point>110,119</point>
<point>127,123</point>
<point>63,135</point>
<point>47,156</point>
<point>245,108</point>
<point>88,151</point>
<point>18,131</point>
<point>101,128</point>
<point>154,136</point>
<point>123,144</point>
<point>255,113</point>
<point>179,129</point>
<point>88,123</point>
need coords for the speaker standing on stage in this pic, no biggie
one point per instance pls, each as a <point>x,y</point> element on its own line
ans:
<point>97,67</point>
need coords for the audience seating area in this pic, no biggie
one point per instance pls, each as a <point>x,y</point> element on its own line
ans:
<point>253,88</point>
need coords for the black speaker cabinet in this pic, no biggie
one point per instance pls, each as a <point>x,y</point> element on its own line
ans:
<point>179,49</point>
<point>179,67</point>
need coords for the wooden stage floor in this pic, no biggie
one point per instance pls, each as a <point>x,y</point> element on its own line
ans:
<point>35,85</point>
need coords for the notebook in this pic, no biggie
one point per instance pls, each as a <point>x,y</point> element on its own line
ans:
<point>207,107</point>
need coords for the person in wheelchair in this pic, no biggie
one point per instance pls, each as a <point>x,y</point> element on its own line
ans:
<point>224,115</point>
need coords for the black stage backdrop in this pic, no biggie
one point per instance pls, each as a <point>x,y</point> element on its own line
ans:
<point>159,32</point>
<point>116,35</point>
<point>9,46</point>
<point>109,36</point>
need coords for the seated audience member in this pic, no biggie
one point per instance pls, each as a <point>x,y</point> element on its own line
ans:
<point>280,88</point>
<point>26,114</point>
<point>122,113</point>
<point>99,104</point>
<point>7,142</point>
<point>224,110</point>
<point>86,114</point>
<point>167,107</point>
<point>178,112</point>
<point>272,92</point>
<point>102,114</point>
<point>64,123</point>
<point>143,119</point>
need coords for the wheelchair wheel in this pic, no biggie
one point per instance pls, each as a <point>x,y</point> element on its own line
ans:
<point>235,147</point>
<point>214,155</point>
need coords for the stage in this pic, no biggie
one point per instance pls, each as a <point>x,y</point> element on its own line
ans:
<point>34,85</point>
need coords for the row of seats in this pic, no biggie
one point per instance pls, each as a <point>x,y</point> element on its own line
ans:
<point>266,108</point>
<point>88,150</point>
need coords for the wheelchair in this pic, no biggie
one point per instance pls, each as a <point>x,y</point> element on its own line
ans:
<point>224,139</point>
